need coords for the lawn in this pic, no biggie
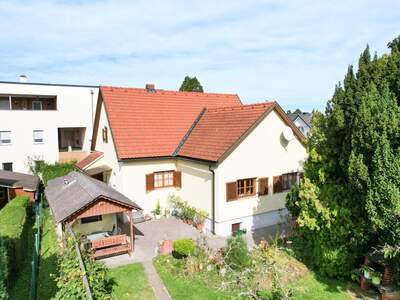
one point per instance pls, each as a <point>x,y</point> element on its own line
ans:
<point>181,288</point>
<point>309,287</point>
<point>131,283</point>
<point>48,263</point>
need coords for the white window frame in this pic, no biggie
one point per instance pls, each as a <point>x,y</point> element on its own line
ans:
<point>34,138</point>
<point>35,102</point>
<point>2,143</point>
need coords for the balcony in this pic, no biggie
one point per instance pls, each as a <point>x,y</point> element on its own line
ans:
<point>70,144</point>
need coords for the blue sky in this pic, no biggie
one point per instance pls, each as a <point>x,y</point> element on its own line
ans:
<point>293,52</point>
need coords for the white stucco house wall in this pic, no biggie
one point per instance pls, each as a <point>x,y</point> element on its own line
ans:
<point>49,122</point>
<point>235,161</point>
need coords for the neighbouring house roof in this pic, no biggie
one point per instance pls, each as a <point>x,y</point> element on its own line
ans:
<point>220,128</point>
<point>88,160</point>
<point>73,192</point>
<point>15,179</point>
<point>152,123</point>
<point>305,116</point>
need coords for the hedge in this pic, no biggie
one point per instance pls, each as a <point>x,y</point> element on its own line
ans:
<point>51,171</point>
<point>13,218</point>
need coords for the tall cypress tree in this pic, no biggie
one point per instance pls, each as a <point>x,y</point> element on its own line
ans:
<point>350,199</point>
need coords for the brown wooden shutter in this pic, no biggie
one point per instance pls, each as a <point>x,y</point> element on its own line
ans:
<point>231,191</point>
<point>106,134</point>
<point>277,182</point>
<point>263,186</point>
<point>150,182</point>
<point>178,179</point>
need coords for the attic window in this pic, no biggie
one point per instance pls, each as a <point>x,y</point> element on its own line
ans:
<point>105,134</point>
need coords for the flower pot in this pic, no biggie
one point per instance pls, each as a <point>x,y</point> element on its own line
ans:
<point>166,247</point>
<point>376,280</point>
<point>200,227</point>
<point>189,222</point>
<point>157,217</point>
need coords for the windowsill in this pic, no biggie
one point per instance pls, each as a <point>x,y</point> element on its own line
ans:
<point>244,197</point>
<point>10,144</point>
<point>38,143</point>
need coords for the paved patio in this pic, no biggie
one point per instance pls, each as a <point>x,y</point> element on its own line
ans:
<point>149,234</point>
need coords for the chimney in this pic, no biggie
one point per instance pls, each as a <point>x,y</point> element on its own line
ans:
<point>150,87</point>
<point>23,78</point>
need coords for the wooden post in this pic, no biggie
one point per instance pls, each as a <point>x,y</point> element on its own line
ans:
<point>131,229</point>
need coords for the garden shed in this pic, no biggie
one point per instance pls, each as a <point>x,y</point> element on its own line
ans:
<point>97,213</point>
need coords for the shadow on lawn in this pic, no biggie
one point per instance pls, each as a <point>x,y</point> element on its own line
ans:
<point>48,272</point>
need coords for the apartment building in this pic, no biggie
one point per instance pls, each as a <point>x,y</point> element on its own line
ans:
<point>44,122</point>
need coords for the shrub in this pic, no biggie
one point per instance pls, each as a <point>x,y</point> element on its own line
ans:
<point>184,247</point>
<point>70,282</point>
<point>3,270</point>
<point>51,171</point>
<point>157,211</point>
<point>200,216</point>
<point>237,254</point>
<point>12,232</point>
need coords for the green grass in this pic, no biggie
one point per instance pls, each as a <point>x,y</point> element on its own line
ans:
<point>21,287</point>
<point>48,263</point>
<point>131,283</point>
<point>186,289</point>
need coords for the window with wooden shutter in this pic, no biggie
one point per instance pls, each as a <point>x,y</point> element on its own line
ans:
<point>277,182</point>
<point>105,134</point>
<point>288,180</point>
<point>178,179</point>
<point>263,186</point>
<point>231,191</point>
<point>150,182</point>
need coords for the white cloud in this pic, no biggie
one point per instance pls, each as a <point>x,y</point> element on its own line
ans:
<point>290,51</point>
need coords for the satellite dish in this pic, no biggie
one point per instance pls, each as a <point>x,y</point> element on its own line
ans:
<point>288,134</point>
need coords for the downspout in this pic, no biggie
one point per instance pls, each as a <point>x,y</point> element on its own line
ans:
<point>91,99</point>
<point>212,199</point>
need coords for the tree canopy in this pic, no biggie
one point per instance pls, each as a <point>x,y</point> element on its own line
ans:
<point>191,84</point>
<point>349,200</point>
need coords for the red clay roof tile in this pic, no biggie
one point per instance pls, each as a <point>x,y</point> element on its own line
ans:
<point>151,124</point>
<point>220,128</point>
<point>88,159</point>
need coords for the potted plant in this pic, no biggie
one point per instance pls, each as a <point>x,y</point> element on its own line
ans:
<point>188,215</point>
<point>199,219</point>
<point>157,211</point>
<point>376,278</point>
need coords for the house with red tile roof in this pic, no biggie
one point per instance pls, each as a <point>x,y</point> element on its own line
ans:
<point>235,161</point>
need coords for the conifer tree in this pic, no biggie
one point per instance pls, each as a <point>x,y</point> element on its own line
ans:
<point>350,198</point>
<point>191,84</point>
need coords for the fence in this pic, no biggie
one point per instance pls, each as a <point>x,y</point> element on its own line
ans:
<point>82,266</point>
<point>36,249</point>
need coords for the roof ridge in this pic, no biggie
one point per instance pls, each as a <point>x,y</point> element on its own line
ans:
<point>242,106</point>
<point>187,134</point>
<point>169,91</point>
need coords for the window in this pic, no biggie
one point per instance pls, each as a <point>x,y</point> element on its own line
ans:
<point>284,182</point>
<point>5,137</point>
<point>3,193</point>
<point>288,180</point>
<point>8,166</point>
<point>91,219</point>
<point>163,179</point>
<point>5,103</point>
<point>235,227</point>
<point>37,105</point>
<point>105,134</point>
<point>38,136</point>
<point>245,187</point>
<point>301,129</point>
<point>240,188</point>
